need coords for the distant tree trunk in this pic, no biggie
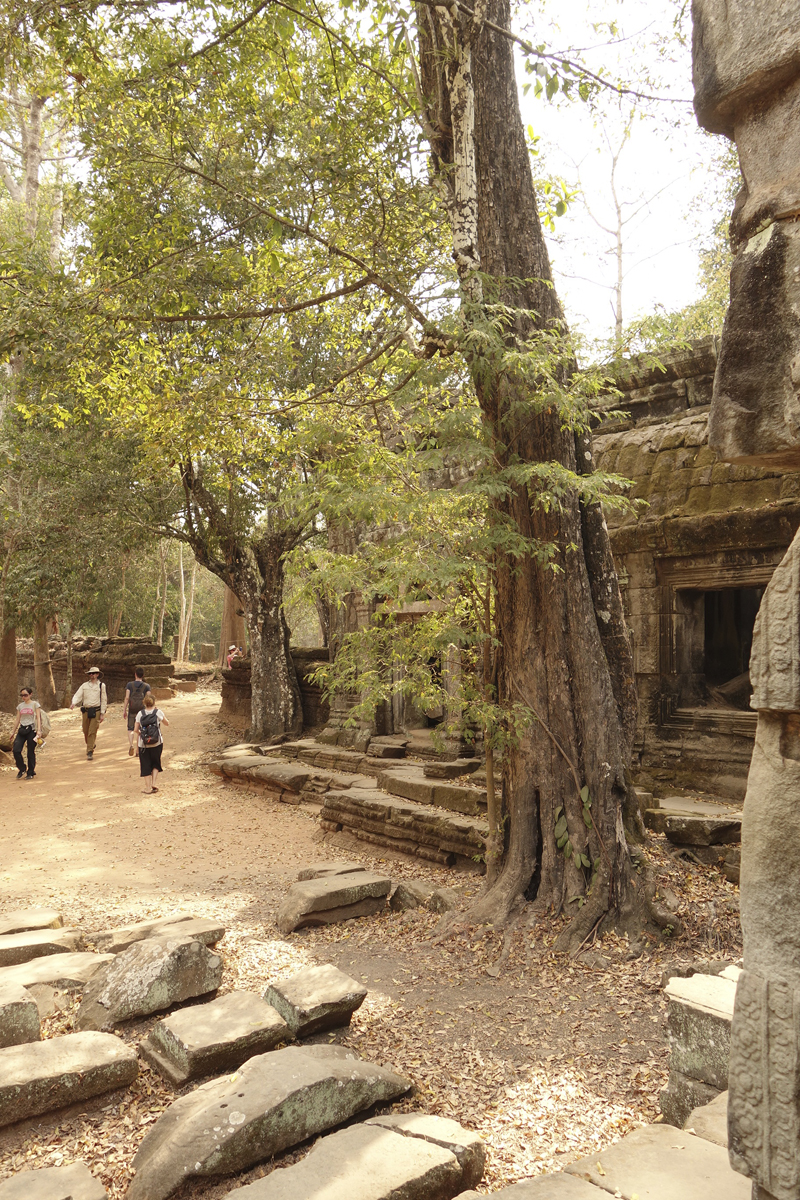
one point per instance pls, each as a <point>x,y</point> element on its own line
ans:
<point>233,627</point>
<point>182,611</point>
<point>8,671</point>
<point>68,683</point>
<point>566,653</point>
<point>162,554</point>
<point>42,670</point>
<point>188,630</point>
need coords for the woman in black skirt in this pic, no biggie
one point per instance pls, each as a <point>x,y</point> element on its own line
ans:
<point>147,731</point>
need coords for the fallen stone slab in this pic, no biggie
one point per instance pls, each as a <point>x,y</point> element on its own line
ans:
<point>232,768</point>
<point>48,1000</point>
<point>40,1076</point>
<point>199,929</point>
<point>208,1039</point>
<point>315,999</point>
<point>74,1182</point>
<point>468,1147</point>
<point>19,1016</point>
<point>327,901</point>
<point>682,1096</point>
<point>410,893</point>
<point>147,977</point>
<point>413,784</point>
<point>662,1163</point>
<point>328,870</point>
<point>703,831</point>
<point>451,770</point>
<point>545,1187</point>
<point>378,749</point>
<point>18,948</point>
<point>114,940</point>
<point>710,1121</point>
<point>364,1163</point>
<point>65,972</point>
<point>273,1101</point>
<point>24,919</point>
<point>442,900</point>
<point>277,776</point>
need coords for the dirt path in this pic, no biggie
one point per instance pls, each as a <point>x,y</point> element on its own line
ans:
<point>547,1059</point>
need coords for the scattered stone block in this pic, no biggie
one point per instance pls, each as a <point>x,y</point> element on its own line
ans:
<point>328,870</point>
<point>18,948</point>
<point>410,893</point>
<point>699,1017</point>
<point>328,901</point>
<point>412,783</point>
<point>451,770</point>
<point>710,1121</point>
<point>315,999</point>
<point>469,1149</point>
<point>183,685</point>
<point>163,693</point>
<point>442,900</point>
<point>208,1039</point>
<point>272,1102</point>
<point>114,941</point>
<point>208,653</point>
<point>378,748</point>
<point>278,776</point>
<point>702,831</point>
<point>147,977</point>
<point>40,1076</point>
<point>682,1096</point>
<point>74,1182</point>
<point>65,972</point>
<point>24,919</point>
<point>48,1000</point>
<point>660,1163</point>
<point>364,1163</point>
<point>19,1016</point>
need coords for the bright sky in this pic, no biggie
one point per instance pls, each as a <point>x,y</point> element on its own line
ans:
<point>665,163</point>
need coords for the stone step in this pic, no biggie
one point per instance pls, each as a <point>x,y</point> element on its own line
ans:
<point>451,770</point>
<point>415,829</point>
<point>370,1162</point>
<point>74,1182</point>
<point>23,919</point>
<point>272,1102</point>
<point>41,1076</point>
<point>18,948</point>
<point>663,1163</point>
<point>412,784</point>
<point>19,1016</point>
<point>699,1016</point>
<point>684,829</point>
<point>114,941</point>
<point>710,1121</point>
<point>67,972</point>
<point>545,1187</point>
<point>208,1039</point>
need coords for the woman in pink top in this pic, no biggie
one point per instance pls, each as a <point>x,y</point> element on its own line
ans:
<point>26,730</point>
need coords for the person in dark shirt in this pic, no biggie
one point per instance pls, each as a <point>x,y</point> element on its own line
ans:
<point>135,692</point>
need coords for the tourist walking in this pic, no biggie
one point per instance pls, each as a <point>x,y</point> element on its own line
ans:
<point>27,729</point>
<point>93,701</point>
<point>135,692</point>
<point>147,727</point>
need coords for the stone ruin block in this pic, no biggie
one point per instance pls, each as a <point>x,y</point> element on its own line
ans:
<point>316,999</point>
<point>699,1017</point>
<point>74,1182</point>
<point>19,1016</point>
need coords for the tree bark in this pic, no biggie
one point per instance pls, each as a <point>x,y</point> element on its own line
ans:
<point>162,554</point>
<point>8,670</point>
<point>42,670</point>
<point>187,633</point>
<point>65,703</point>
<point>565,651</point>
<point>233,627</point>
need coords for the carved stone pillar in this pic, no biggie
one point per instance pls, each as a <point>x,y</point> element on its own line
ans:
<point>746,61</point>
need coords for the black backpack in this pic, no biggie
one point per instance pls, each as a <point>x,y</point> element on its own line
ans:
<point>136,703</point>
<point>148,724</point>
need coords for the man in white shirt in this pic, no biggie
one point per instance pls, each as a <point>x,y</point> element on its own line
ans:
<point>93,699</point>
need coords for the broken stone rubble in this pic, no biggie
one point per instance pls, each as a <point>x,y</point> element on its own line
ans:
<point>207,1039</point>
<point>68,972</point>
<point>40,1076</point>
<point>113,941</point>
<point>326,901</point>
<point>272,1102</point>
<point>22,920</point>
<point>147,977</point>
<point>16,948</point>
<point>316,999</point>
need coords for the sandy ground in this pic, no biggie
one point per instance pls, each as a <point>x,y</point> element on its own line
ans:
<point>547,1059</point>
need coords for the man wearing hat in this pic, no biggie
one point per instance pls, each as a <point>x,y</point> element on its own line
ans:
<point>93,699</point>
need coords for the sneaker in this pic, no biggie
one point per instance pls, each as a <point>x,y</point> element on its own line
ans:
<point>131,751</point>
<point>20,774</point>
<point>90,754</point>
<point>33,776</point>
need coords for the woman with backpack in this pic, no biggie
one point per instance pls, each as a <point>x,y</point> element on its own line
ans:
<point>147,728</point>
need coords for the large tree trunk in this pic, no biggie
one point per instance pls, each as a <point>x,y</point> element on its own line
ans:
<point>565,651</point>
<point>42,671</point>
<point>233,628</point>
<point>275,705</point>
<point>8,671</point>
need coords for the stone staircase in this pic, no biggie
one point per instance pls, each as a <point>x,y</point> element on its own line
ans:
<point>707,830</point>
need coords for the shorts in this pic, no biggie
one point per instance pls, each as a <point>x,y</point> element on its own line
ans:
<point>131,720</point>
<point>150,759</point>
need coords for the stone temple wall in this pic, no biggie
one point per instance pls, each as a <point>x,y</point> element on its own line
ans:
<point>235,706</point>
<point>117,658</point>
<point>693,565</point>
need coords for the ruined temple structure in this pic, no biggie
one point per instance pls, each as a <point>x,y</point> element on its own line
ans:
<point>117,657</point>
<point>746,66</point>
<point>693,565</point>
<point>235,707</point>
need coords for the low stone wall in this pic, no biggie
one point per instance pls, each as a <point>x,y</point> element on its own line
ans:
<point>117,657</point>
<point>699,1020</point>
<point>235,706</point>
